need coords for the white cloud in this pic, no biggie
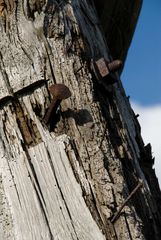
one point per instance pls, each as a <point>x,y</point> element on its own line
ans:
<point>150,121</point>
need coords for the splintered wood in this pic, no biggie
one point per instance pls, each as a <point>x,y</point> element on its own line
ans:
<point>65,183</point>
<point>42,189</point>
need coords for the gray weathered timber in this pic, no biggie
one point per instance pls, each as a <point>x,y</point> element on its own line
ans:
<point>45,197</point>
<point>68,179</point>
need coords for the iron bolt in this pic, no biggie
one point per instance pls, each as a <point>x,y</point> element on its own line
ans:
<point>102,68</point>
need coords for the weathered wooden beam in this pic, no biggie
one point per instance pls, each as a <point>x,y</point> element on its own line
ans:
<point>67,183</point>
<point>118,19</point>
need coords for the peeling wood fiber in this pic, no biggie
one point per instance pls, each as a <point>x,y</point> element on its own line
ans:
<point>67,179</point>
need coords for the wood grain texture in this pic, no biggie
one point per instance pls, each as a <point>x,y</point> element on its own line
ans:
<point>66,181</point>
<point>45,198</point>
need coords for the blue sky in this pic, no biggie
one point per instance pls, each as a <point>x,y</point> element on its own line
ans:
<point>142,76</point>
<point>142,73</point>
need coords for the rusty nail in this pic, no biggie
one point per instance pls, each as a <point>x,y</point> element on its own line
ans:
<point>116,216</point>
<point>59,92</point>
<point>114,65</point>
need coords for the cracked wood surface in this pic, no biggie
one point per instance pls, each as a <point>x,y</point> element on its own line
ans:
<point>66,180</point>
<point>45,197</point>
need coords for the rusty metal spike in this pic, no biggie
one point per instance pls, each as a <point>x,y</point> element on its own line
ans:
<point>115,65</point>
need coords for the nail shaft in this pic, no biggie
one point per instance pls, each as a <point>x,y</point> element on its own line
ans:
<point>140,184</point>
<point>49,111</point>
<point>59,92</point>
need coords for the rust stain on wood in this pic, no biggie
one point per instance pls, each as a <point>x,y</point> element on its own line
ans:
<point>2,7</point>
<point>28,128</point>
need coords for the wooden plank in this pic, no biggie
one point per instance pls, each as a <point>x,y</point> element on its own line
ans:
<point>22,58</point>
<point>44,197</point>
